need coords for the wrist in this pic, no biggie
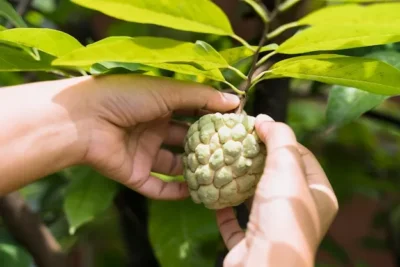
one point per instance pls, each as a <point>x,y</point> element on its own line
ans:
<point>46,128</point>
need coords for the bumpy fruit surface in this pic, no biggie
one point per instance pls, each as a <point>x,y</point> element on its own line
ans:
<point>223,160</point>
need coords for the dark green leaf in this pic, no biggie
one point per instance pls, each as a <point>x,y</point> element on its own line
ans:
<point>7,11</point>
<point>11,253</point>
<point>346,104</point>
<point>204,16</point>
<point>144,50</point>
<point>183,233</point>
<point>335,249</point>
<point>88,195</point>
<point>15,59</point>
<point>363,73</point>
<point>51,41</point>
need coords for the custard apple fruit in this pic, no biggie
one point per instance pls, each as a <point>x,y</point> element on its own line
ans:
<point>223,160</point>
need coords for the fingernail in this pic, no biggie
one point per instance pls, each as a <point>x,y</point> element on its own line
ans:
<point>263,117</point>
<point>232,98</point>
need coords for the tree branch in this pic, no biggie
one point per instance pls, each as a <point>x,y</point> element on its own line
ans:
<point>27,228</point>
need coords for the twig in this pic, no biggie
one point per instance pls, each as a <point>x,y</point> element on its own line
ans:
<point>28,229</point>
<point>253,67</point>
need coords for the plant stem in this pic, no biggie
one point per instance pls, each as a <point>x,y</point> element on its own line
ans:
<point>281,29</point>
<point>238,72</point>
<point>253,67</point>
<point>265,58</point>
<point>242,41</point>
<point>239,92</point>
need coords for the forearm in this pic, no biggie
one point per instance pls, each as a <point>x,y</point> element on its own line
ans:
<point>43,130</point>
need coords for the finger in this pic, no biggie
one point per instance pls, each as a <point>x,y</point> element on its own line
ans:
<point>283,189</point>
<point>180,95</point>
<point>154,188</point>
<point>192,112</point>
<point>229,227</point>
<point>321,189</point>
<point>176,134</point>
<point>237,256</point>
<point>167,163</point>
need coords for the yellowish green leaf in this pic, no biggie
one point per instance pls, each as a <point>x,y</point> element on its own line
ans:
<point>16,59</point>
<point>213,74</point>
<point>363,73</point>
<point>202,16</point>
<point>354,14</point>
<point>2,28</point>
<point>144,50</point>
<point>51,41</point>
<point>235,54</point>
<point>337,37</point>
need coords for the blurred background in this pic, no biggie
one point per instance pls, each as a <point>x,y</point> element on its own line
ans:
<point>360,158</point>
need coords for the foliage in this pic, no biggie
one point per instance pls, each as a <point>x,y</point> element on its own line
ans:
<point>346,53</point>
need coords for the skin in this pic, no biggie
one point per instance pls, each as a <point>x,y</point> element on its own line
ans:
<point>117,124</point>
<point>292,208</point>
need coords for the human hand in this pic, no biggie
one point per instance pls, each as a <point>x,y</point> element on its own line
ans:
<point>129,121</point>
<point>292,208</point>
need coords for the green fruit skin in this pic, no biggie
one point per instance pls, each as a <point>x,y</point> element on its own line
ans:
<point>224,159</point>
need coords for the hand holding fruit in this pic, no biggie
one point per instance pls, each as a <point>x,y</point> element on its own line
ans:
<point>293,206</point>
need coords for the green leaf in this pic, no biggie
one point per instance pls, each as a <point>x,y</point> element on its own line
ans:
<point>14,255</point>
<point>2,28</point>
<point>144,50</point>
<point>236,54</point>
<point>7,11</point>
<point>336,250</point>
<point>183,233</point>
<point>346,104</point>
<point>337,37</point>
<point>353,14</point>
<point>51,41</point>
<point>105,67</point>
<point>15,59</point>
<point>258,9</point>
<point>88,195</point>
<point>363,73</point>
<point>204,16</point>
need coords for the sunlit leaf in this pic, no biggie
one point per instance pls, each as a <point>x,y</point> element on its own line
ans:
<point>183,233</point>
<point>15,59</point>
<point>363,73</point>
<point>346,104</point>
<point>2,28</point>
<point>235,54</point>
<point>7,11</point>
<point>144,50</point>
<point>319,38</point>
<point>259,9</point>
<point>353,14</point>
<point>51,41</point>
<point>88,195</point>
<point>214,74</point>
<point>203,16</point>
